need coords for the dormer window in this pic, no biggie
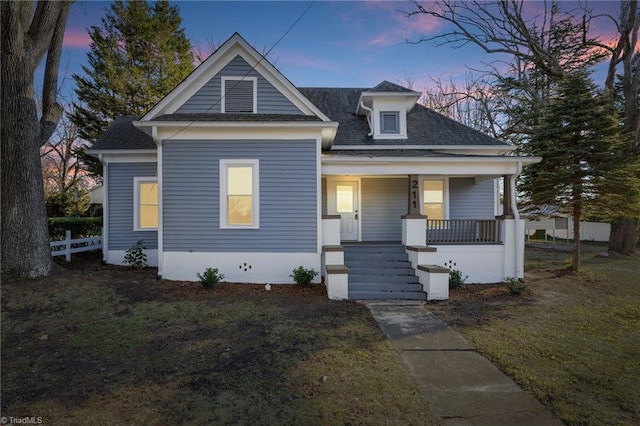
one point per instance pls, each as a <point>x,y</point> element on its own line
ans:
<point>390,122</point>
<point>239,95</point>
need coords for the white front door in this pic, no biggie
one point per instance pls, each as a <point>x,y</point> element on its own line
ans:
<point>346,205</point>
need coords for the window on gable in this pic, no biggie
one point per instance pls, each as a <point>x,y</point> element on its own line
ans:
<point>239,95</point>
<point>390,122</point>
<point>239,194</point>
<point>145,212</point>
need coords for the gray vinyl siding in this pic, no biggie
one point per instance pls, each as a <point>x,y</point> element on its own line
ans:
<point>288,196</point>
<point>468,200</point>
<point>384,202</point>
<point>120,205</point>
<point>207,99</point>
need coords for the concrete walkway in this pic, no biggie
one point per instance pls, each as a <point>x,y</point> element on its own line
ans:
<point>461,386</point>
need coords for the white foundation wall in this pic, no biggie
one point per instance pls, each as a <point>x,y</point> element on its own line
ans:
<point>116,257</point>
<point>483,264</point>
<point>259,268</point>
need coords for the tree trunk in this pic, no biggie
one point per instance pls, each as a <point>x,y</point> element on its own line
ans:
<point>577,216</point>
<point>25,234</point>
<point>624,236</point>
<point>28,31</point>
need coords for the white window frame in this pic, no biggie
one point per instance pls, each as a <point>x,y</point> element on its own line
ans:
<point>223,90</point>
<point>445,195</point>
<point>396,131</point>
<point>255,176</point>
<point>136,202</point>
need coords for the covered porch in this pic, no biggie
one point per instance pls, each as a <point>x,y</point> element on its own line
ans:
<point>454,213</point>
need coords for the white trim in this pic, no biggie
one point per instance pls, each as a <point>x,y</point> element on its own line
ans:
<point>223,91</point>
<point>136,201</point>
<point>160,215</point>
<point>105,209</point>
<point>273,268</point>
<point>255,166</point>
<point>319,224</point>
<point>458,166</point>
<point>427,147</point>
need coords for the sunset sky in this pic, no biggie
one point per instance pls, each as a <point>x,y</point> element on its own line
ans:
<point>335,43</point>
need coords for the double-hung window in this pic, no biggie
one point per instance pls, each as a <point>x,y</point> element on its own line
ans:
<point>433,199</point>
<point>145,211</point>
<point>239,194</point>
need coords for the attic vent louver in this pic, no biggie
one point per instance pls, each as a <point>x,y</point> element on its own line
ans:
<point>239,95</point>
<point>389,122</point>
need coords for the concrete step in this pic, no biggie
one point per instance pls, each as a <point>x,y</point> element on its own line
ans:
<point>378,264</point>
<point>374,256</point>
<point>381,295</point>
<point>392,248</point>
<point>391,279</point>
<point>385,287</point>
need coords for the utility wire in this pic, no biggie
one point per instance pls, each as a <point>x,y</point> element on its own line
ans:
<point>262,57</point>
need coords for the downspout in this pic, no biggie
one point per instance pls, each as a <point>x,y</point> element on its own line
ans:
<point>369,117</point>
<point>156,139</point>
<point>516,215</point>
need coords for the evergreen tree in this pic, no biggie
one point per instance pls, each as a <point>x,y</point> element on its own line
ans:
<point>579,138</point>
<point>138,54</point>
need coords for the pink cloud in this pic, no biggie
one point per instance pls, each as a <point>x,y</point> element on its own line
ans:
<point>301,60</point>
<point>76,38</point>
<point>400,28</point>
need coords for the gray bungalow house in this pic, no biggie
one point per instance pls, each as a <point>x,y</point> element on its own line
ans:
<point>238,169</point>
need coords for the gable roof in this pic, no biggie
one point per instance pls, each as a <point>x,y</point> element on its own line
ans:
<point>230,49</point>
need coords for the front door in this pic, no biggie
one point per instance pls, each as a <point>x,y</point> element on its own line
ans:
<point>346,198</point>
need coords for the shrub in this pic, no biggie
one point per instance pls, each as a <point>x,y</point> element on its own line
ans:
<point>135,255</point>
<point>516,286</point>
<point>455,279</point>
<point>210,277</point>
<point>80,227</point>
<point>303,276</point>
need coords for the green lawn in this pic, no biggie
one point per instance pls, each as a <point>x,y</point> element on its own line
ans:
<point>574,340</point>
<point>113,347</point>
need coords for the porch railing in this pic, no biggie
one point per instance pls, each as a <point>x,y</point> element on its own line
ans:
<point>463,231</point>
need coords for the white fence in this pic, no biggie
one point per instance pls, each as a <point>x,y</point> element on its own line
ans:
<point>563,228</point>
<point>68,246</point>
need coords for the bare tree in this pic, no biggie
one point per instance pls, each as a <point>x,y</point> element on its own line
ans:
<point>65,179</point>
<point>542,48</point>
<point>29,31</point>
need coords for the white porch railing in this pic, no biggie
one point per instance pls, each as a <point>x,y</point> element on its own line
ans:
<point>68,246</point>
<point>463,231</point>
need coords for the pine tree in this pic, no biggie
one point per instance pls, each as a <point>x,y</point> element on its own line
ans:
<point>579,138</point>
<point>138,54</point>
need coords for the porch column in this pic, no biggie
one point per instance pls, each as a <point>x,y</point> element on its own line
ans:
<point>507,204</point>
<point>414,224</point>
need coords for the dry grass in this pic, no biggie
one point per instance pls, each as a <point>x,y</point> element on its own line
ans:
<point>112,347</point>
<point>573,340</point>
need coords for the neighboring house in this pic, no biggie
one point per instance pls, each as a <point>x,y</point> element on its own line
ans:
<point>238,169</point>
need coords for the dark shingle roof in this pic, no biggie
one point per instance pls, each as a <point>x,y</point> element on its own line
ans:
<point>424,126</point>
<point>389,153</point>
<point>387,86</point>
<point>122,134</point>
